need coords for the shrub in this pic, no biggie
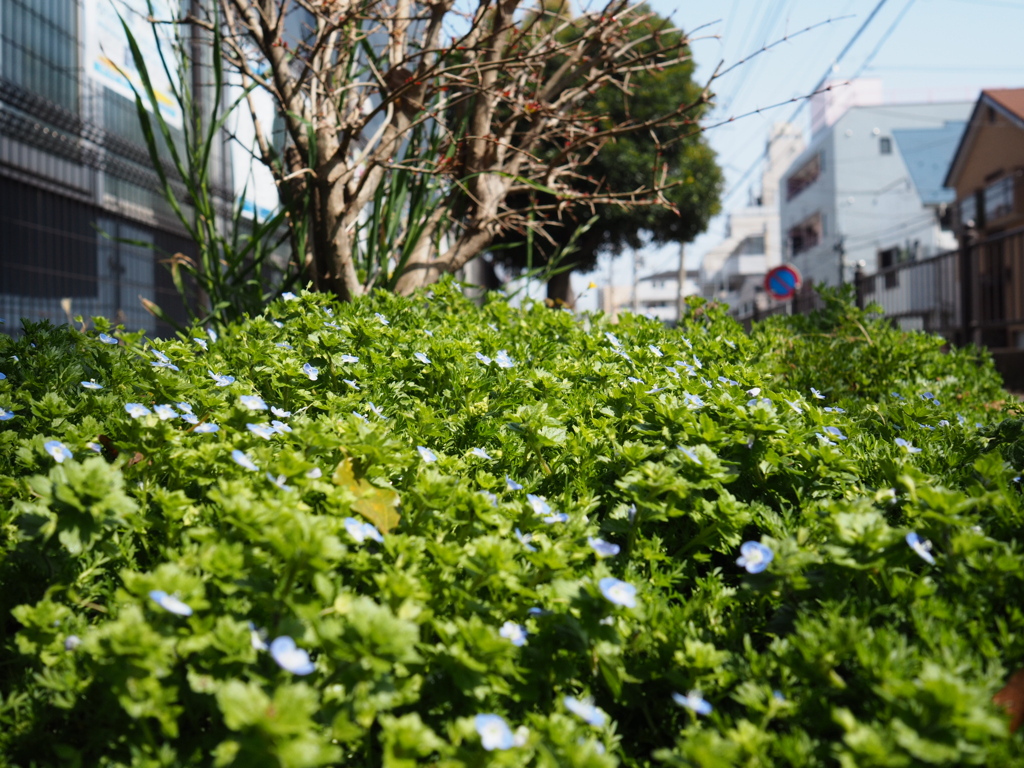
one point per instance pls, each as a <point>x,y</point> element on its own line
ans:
<point>427,532</point>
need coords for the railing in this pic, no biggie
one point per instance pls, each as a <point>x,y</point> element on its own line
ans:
<point>918,295</point>
<point>974,295</point>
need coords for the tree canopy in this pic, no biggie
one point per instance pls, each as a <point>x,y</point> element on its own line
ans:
<point>675,158</point>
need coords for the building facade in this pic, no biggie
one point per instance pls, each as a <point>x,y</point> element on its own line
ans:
<point>83,223</point>
<point>655,295</point>
<point>987,178</point>
<point>733,271</point>
<point>867,191</point>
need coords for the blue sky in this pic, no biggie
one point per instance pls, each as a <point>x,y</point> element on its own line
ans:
<point>923,50</point>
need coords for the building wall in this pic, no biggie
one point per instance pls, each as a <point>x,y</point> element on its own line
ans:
<point>865,196</point>
<point>76,180</point>
<point>999,145</point>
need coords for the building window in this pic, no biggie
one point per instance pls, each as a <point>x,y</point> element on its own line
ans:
<point>968,211</point>
<point>40,49</point>
<point>806,175</point>
<point>885,146</point>
<point>805,235</point>
<point>751,246</point>
<point>999,199</point>
<point>887,259</point>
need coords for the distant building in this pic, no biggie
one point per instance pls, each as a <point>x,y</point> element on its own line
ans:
<point>987,179</point>
<point>867,191</point>
<point>76,178</point>
<point>733,271</point>
<point>656,295</point>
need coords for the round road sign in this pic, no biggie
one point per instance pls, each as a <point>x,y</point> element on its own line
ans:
<point>782,282</point>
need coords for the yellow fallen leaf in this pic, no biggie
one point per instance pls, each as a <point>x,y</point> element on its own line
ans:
<point>378,505</point>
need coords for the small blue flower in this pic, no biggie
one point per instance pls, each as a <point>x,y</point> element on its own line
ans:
<point>283,345</point>
<point>795,407</point>
<point>57,450</point>
<point>375,409</point>
<point>161,364</point>
<point>242,460</point>
<point>429,332</point>
<point>834,432</point>
<point>540,506</point>
<point>170,603</point>
<point>494,732</point>
<point>754,556</point>
<point>94,447</point>
<point>817,394</point>
<point>160,356</point>
<point>6,415</point>
<point>290,657</point>
<point>280,427</point>
<point>481,453</point>
<point>905,444</point>
<point>190,418</point>
<point>361,530</point>
<point>491,498</point>
<point>315,473</point>
<point>310,371</point>
<point>830,409</point>
<point>503,360</point>
<point>655,351</point>
<point>585,710</point>
<point>137,410</point>
<point>201,343</point>
<point>164,412</point>
<point>383,320</point>
<point>349,359</point>
<point>289,296</point>
<point>927,396</point>
<point>212,334</point>
<point>824,439</point>
<point>634,380</point>
<point>91,385</point>
<point>686,341</point>
<point>221,381</point>
<point>184,407</point>
<point>483,358</point>
<point>252,402</point>
<point>426,454</point>
<point>693,701</point>
<point>280,412</point>
<point>360,416</point>
<point>603,548</point>
<point>613,339</point>
<point>514,633</point>
<point>352,383</point>
<point>618,592</point>
<point>697,362</point>
<point>922,547</point>
<point>71,642</point>
<point>690,454</point>
<point>422,358</point>
<point>512,485</point>
<point>525,539</point>
<point>280,481</point>
<point>207,428</point>
<point>261,430</point>
<point>107,339</point>
<point>557,517</point>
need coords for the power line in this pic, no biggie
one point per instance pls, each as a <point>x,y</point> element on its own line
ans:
<point>856,36</point>
<point>884,38</point>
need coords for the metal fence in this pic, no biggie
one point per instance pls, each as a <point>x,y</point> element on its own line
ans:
<point>973,295</point>
<point>918,295</point>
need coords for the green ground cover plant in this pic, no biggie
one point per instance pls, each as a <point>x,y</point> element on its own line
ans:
<point>414,531</point>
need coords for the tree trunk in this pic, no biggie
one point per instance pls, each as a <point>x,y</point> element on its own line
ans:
<point>560,290</point>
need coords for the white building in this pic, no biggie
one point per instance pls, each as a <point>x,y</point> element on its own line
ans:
<point>733,271</point>
<point>867,191</point>
<point>656,295</point>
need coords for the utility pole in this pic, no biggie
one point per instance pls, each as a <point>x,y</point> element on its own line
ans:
<point>841,250</point>
<point>637,262</point>
<point>681,290</point>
